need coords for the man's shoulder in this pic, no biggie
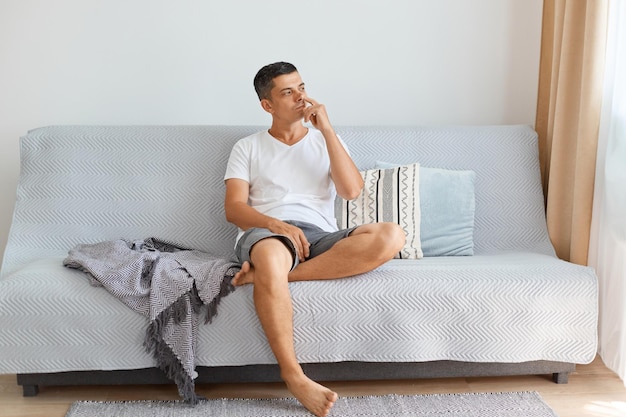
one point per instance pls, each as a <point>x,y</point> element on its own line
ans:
<point>249,141</point>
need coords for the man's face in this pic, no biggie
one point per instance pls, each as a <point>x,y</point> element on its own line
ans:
<point>287,97</point>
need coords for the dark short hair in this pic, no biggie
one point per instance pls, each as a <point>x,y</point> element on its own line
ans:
<point>264,79</point>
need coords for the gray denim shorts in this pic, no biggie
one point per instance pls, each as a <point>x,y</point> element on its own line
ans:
<point>319,239</point>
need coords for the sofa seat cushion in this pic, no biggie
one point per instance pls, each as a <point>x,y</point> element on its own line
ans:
<point>65,323</point>
<point>507,307</point>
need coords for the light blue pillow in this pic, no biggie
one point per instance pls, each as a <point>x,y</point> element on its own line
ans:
<point>447,210</point>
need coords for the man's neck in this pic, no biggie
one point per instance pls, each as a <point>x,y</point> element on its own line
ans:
<point>288,134</point>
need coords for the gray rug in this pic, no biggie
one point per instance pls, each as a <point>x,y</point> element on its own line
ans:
<point>503,404</point>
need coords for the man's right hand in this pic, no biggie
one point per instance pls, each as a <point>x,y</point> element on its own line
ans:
<point>295,234</point>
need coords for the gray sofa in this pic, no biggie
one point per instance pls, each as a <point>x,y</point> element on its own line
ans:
<point>502,304</point>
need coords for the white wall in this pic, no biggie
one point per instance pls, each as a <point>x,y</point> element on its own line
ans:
<point>373,62</point>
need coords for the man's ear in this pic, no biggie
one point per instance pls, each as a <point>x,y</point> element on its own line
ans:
<point>267,105</point>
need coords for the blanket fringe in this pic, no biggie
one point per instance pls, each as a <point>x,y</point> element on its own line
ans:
<point>210,309</point>
<point>167,361</point>
<point>165,358</point>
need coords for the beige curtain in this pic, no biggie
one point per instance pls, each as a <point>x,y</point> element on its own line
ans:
<point>568,117</point>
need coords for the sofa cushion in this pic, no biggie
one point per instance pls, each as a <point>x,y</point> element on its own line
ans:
<point>389,195</point>
<point>447,208</point>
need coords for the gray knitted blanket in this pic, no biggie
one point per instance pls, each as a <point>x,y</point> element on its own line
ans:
<point>174,287</point>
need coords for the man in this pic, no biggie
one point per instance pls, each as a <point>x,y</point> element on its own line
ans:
<point>280,191</point>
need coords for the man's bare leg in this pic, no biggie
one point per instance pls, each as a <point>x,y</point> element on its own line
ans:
<point>272,301</point>
<point>367,247</point>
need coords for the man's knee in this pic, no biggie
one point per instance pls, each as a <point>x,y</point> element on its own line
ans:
<point>393,236</point>
<point>272,252</point>
<point>388,237</point>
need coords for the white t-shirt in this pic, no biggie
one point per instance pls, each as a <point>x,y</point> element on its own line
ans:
<point>287,182</point>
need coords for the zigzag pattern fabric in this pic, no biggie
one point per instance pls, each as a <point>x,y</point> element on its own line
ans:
<point>166,284</point>
<point>487,310</point>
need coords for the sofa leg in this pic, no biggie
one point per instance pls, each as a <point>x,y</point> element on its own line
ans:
<point>560,377</point>
<point>30,390</point>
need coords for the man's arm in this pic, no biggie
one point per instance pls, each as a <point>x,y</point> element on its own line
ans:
<point>345,174</point>
<point>241,214</point>
<point>237,209</point>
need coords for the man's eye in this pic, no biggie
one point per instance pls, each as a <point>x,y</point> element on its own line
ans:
<point>287,92</point>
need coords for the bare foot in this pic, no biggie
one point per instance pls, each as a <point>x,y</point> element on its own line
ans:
<point>244,276</point>
<point>315,397</point>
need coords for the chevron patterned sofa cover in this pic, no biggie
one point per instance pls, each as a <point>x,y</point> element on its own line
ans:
<point>511,308</point>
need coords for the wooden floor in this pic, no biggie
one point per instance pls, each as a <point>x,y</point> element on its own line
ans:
<point>593,390</point>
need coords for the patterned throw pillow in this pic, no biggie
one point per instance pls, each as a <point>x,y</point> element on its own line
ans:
<point>389,195</point>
